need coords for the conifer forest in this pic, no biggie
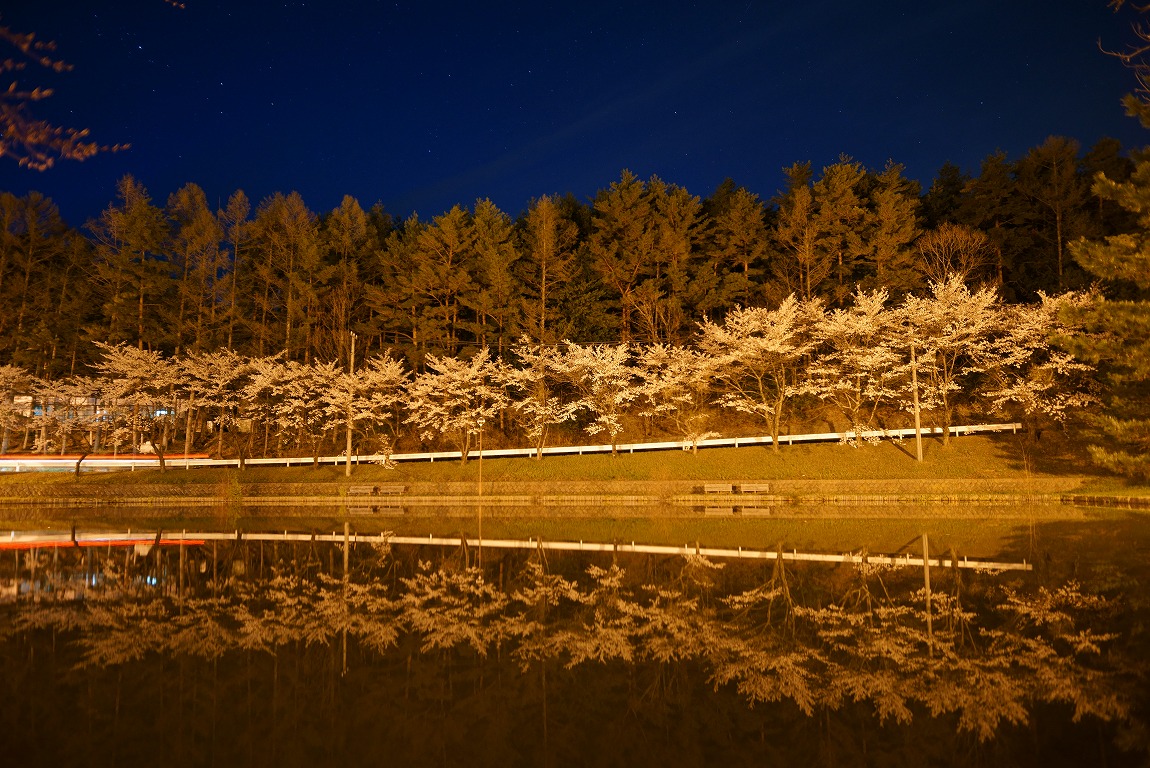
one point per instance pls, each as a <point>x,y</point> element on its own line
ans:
<point>645,261</point>
<point>646,311</point>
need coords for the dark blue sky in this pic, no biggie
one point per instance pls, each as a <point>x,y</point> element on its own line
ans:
<point>421,105</point>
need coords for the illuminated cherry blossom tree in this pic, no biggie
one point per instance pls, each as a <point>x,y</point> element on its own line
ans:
<point>606,382</point>
<point>453,398</point>
<point>757,355</point>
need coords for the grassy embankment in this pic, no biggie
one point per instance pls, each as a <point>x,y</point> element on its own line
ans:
<point>982,467</point>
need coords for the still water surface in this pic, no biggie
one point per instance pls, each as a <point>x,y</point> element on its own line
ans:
<point>272,654</point>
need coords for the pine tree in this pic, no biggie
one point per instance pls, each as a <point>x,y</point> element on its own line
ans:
<point>799,266</point>
<point>679,228</point>
<point>398,307</point>
<point>195,253</point>
<point>1049,177</point>
<point>840,217</point>
<point>290,272</point>
<point>34,244</point>
<point>1106,216</point>
<point>498,300</point>
<point>549,242</point>
<point>129,270</point>
<point>992,204</point>
<point>59,342</point>
<point>941,202</point>
<point>1117,325</point>
<point>623,244</point>
<point>347,239</point>
<point>445,274</point>
<point>890,231</point>
<point>237,231</point>
<point>740,246</point>
<point>1117,337</point>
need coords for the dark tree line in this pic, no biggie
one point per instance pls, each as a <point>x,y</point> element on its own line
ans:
<point>644,261</point>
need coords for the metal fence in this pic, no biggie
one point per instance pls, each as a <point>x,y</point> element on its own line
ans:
<point>97,463</point>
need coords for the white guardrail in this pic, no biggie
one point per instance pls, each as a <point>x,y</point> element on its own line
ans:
<point>38,539</point>
<point>30,463</point>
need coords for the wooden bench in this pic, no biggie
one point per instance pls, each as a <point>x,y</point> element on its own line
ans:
<point>755,487</point>
<point>718,488</point>
<point>362,490</point>
<point>371,506</point>
<point>390,489</point>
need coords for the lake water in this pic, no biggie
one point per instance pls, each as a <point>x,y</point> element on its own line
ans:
<point>256,653</point>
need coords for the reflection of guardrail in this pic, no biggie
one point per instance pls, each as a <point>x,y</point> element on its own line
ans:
<point>33,540</point>
<point>39,463</point>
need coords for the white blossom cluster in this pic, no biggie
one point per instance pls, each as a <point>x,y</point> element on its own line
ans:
<point>863,367</point>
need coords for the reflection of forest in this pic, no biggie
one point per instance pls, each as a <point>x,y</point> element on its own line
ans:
<point>265,654</point>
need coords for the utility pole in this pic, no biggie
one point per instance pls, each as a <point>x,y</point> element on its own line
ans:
<point>481,422</point>
<point>350,407</point>
<point>917,414</point>
<point>926,584</point>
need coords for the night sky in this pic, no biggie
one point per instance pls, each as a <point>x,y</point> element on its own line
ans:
<point>422,105</point>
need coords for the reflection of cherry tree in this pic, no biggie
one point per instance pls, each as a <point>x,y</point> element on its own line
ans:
<point>863,642</point>
<point>610,622</point>
<point>207,629</point>
<point>546,598</point>
<point>453,609</point>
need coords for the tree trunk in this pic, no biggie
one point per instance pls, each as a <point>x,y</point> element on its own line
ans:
<point>140,314</point>
<point>188,426</point>
<point>83,455</point>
